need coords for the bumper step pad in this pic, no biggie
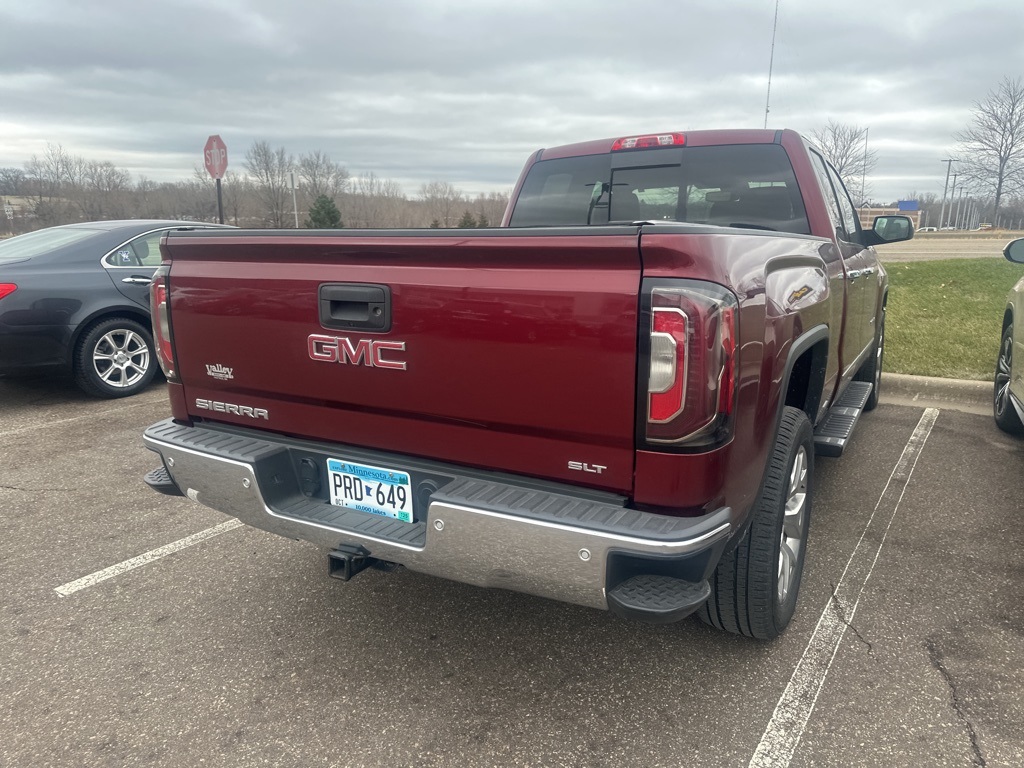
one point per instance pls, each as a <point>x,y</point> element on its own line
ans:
<point>657,599</point>
<point>160,481</point>
<point>832,435</point>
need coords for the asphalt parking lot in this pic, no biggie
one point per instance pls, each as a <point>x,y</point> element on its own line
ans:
<point>234,648</point>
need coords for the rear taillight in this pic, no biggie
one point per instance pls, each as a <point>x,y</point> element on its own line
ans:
<point>159,303</point>
<point>6,289</point>
<point>649,141</point>
<point>691,376</point>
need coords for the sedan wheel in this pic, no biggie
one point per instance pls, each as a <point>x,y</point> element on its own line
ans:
<point>1006,416</point>
<point>115,359</point>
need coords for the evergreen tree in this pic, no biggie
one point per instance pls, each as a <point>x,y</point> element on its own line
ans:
<point>435,224</point>
<point>481,221</point>
<point>467,221</point>
<point>324,214</point>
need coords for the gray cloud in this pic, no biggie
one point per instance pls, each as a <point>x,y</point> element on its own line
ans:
<point>463,90</point>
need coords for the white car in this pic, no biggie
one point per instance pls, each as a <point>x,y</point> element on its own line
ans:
<point>1008,397</point>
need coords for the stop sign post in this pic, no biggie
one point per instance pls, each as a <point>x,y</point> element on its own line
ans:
<point>215,157</point>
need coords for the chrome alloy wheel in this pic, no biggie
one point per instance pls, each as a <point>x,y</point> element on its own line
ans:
<point>121,358</point>
<point>1003,367</point>
<point>792,539</point>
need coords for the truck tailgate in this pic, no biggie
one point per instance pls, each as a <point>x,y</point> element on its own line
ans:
<point>519,349</point>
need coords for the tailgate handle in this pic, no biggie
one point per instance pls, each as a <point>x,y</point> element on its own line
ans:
<point>355,307</point>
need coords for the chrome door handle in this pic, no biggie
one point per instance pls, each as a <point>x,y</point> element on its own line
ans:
<point>137,280</point>
<point>855,273</point>
<point>868,271</point>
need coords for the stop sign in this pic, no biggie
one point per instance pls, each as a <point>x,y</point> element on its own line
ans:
<point>215,155</point>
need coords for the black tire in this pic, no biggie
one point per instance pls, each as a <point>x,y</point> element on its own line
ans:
<point>748,594</point>
<point>871,371</point>
<point>115,358</point>
<point>1006,416</point>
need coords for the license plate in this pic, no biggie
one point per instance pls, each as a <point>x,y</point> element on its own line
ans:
<point>376,490</point>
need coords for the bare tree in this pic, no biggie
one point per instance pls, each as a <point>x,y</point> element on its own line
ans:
<point>844,147</point>
<point>490,207</point>
<point>269,169</point>
<point>12,181</point>
<point>441,198</point>
<point>322,176</point>
<point>992,147</point>
<point>48,178</point>
<point>375,202</point>
<point>100,190</point>
<point>237,192</point>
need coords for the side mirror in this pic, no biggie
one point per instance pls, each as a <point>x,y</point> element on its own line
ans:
<point>1014,251</point>
<point>889,229</point>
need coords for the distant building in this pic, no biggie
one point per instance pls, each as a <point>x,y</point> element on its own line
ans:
<point>907,208</point>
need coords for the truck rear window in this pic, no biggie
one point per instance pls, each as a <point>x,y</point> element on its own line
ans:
<point>745,185</point>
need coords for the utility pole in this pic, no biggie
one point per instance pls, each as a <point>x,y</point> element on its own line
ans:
<point>295,206</point>
<point>942,210</point>
<point>864,170</point>
<point>952,199</point>
<point>959,202</point>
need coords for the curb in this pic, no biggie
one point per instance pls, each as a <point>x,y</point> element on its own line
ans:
<point>931,391</point>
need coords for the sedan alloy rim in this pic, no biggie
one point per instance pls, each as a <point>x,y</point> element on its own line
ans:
<point>1003,375</point>
<point>121,358</point>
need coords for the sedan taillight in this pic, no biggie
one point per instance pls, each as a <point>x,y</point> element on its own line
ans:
<point>159,301</point>
<point>6,289</point>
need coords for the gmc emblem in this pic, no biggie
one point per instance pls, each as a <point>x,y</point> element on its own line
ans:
<point>368,352</point>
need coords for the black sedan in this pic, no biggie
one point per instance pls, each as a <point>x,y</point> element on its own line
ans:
<point>76,299</point>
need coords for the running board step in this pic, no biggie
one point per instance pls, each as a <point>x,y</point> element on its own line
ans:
<point>832,435</point>
<point>657,599</point>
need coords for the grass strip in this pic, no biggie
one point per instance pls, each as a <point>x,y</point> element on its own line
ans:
<point>945,317</point>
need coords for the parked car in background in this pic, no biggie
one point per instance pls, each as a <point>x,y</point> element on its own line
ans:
<point>1008,396</point>
<point>75,299</point>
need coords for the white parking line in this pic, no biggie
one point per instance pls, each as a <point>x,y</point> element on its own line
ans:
<point>781,737</point>
<point>147,557</point>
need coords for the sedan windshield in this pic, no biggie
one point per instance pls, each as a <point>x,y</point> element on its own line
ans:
<point>45,240</point>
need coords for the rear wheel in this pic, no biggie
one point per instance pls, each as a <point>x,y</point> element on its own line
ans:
<point>115,358</point>
<point>755,587</point>
<point>1006,416</point>
<point>871,371</point>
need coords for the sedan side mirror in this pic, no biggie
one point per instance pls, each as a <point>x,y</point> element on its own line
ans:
<point>1014,251</point>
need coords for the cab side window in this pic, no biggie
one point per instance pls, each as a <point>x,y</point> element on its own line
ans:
<point>850,219</point>
<point>821,171</point>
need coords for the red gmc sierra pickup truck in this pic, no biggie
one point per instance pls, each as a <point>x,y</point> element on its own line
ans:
<point>615,399</point>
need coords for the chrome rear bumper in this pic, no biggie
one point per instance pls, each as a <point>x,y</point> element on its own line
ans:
<point>537,538</point>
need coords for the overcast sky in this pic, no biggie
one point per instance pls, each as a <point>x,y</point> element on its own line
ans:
<point>464,90</point>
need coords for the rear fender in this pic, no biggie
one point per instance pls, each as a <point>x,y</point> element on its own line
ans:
<point>131,312</point>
